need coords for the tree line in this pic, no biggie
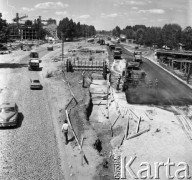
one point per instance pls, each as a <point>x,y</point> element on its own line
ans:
<point>4,31</point>
<point>170,35</point>
<point>70,29</point>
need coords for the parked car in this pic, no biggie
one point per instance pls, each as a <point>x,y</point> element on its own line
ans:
<point>116,55</point>
<point>50,48</point>
<point>8,114</point>
<point>4,50</point>
<point>35,84</point>
<point>118,49</point>
<point>26,48</point>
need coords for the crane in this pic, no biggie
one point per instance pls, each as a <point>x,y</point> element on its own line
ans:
<point>17,18</point>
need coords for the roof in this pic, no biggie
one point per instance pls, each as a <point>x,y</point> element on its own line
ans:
<point>8,104</point>
<point>34,60</point>
<point>133,64</point>
<point>34,51</point>
<point>137,52</point>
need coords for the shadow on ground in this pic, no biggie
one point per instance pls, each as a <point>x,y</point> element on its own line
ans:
<point>12,65</point>
<point>160,97</point>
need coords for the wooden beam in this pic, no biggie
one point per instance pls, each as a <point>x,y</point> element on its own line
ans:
<point>138,134</point>
<point>127,128</point>
<point>137,130</point>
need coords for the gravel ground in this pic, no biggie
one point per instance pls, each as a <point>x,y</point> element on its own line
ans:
<point>30,150</point>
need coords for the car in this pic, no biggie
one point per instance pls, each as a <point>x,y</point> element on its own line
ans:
<point>116,55</point>
<point>8,114</point>
<point>35,84</point>
<point>4,50</point>
<point>26,48</point>
<point>50,48</point>
<point>118,49</point>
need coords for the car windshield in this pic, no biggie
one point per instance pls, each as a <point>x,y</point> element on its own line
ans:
<point>137,53</point>
<point>7,109</point>
<point>34,55</point>
<point>116,52</point>
<point>36,81</point>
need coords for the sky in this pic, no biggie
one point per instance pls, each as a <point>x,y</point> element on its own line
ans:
<point>103,14</point>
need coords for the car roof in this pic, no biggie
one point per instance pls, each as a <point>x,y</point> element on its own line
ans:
<point>34,51</point>
<point>137,51</point>
<point>7,104</point>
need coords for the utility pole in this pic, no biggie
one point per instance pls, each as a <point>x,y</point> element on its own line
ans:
<point>62,47</point>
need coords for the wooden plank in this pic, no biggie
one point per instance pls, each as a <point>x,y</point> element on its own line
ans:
<point>138,134</point>
<point>127,128</point>
<point>113,125</point>
<point>183,127</point>
<point>137,130</point>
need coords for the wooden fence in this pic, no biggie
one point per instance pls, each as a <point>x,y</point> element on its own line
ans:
<point>85,65</point>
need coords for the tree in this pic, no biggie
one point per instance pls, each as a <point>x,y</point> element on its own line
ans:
<point>70,29</point>
<point>186,38</point>
<point>171,34</point>
<point>117,31</point>
<point>4,31</point>
<point>140,36</point>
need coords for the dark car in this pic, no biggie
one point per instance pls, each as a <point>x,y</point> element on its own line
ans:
<point>8,114</point>
<point>4,50</point>
<point>50,48</point>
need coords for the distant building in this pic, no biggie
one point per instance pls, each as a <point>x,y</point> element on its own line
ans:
<point>23,32</point>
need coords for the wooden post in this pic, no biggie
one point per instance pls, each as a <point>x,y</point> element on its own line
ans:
<point>114,124</point>
<point>127,128</point>
<point>137,130</point>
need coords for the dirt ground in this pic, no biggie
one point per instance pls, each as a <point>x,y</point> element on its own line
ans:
<point>59,95</point>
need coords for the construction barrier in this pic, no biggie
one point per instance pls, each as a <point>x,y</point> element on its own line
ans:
<point>84,65</point>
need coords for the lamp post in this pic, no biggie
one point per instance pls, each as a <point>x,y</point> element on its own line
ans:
<point>62,48</point>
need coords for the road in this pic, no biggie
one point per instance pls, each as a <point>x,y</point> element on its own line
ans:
<point>28,151</point>
<point>170,91</point>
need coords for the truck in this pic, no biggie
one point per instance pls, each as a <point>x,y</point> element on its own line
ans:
<point>116,55</point>
<point>50,47</point>
<point>133,75</point>
<point>118,49</point>
<point>111,46</point>
<point>34,61</point>
<point>137,56</point>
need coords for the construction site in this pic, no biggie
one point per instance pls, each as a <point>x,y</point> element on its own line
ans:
<point>128,108</point>
<point>19,30</point>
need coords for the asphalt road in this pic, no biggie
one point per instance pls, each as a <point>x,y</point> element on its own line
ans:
<point>29,151</point>
<point>169,91</point>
